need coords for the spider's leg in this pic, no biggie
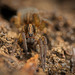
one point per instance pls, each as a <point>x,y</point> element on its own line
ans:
<point>24,42</point>
<point>36,19</point>
<point>16,20</point>
<point>41,52</point>
<point>45,49</point>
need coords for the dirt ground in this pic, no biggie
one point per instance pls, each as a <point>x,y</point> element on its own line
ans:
<point>59,31</point>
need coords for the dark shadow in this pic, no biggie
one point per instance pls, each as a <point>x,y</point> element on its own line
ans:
<point>7,12</point>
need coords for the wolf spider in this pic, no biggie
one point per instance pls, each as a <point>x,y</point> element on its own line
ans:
<point>31,25</point>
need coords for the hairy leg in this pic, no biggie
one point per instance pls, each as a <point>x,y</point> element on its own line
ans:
<point>45,49</point>
<point>41,52</point>
<point>24,42</point>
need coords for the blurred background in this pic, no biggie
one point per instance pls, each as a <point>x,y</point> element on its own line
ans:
<point>9,7</point>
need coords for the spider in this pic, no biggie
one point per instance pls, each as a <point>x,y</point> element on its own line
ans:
<point>31,25</point>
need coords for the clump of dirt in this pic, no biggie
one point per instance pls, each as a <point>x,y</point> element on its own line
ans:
<point>8,43</point>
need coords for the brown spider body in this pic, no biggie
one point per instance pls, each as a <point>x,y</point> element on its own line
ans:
<point>31,25</point>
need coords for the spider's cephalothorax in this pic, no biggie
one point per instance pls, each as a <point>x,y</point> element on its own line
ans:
<point>30,33</point>
<point>31,24</point>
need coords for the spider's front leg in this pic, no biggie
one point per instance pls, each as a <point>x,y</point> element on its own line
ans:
<point>22,38</point>
<point>43,51</point>
<point>24,42</point>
